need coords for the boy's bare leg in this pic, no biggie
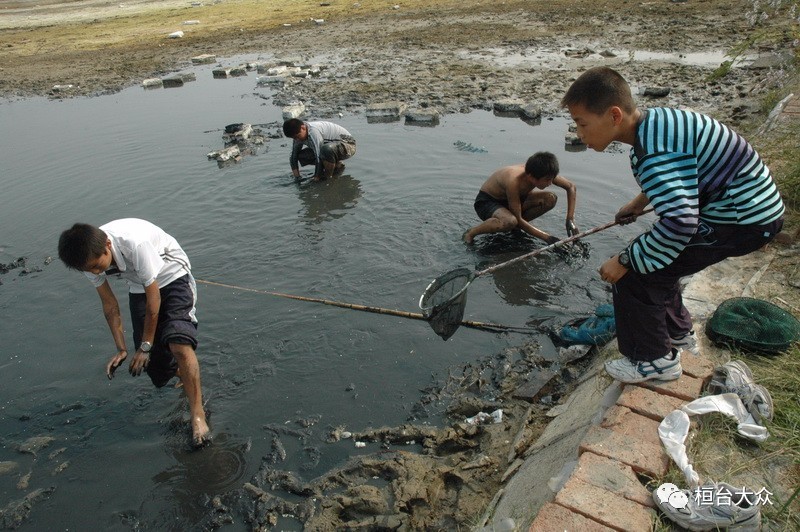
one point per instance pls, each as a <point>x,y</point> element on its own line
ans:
<point>327,169</point>
<point>501,220</point>
<point>189,371</point>
<point>537,203</point>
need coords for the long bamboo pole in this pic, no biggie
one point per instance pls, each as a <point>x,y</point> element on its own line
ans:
<point>493,327</point>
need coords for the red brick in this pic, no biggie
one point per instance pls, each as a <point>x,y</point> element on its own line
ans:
<point>686,387</point>
<point>699,367</point>
<point>555,518</point>
<point>604,506</point>
<point>642,456</point>
<point>648,403</point>
<point>613,476</point>
<point>621,419</point>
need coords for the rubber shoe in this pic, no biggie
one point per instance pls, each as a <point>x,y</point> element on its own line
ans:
<point>667,368</point>
<point>736,377</point>
<point>713,507</point>
<point>687,342</point>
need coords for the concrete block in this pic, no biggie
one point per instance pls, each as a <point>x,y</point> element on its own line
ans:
<point>643,456</point>
<point>293,110</point>
<point>277,70</point>
<point>621,419</point>
<point>572,139</point>
<point>604,506</point>
<point>272,80</point>
<point>556,518</point>
<point>227,154</point>
<point>422,116</point>
<point>531,111</point>
<point>648,403</point>
<point>385,111</point>
<point>511,106</point>
<point>203,59</point>
<point>152,83</point>
<point>175,81</point>
<point>613,476</point>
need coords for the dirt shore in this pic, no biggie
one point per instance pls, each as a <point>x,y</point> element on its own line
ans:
<point>448,55</point>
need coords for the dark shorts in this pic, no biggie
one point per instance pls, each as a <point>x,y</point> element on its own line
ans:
<point>331,152</point>
<point>485,205</point>
<point>175,326</point>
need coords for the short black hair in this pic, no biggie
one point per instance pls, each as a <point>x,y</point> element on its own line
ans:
<point>542,164</point>
<point>291,127</point>
<point>80,244</point>
<point>598,89</point>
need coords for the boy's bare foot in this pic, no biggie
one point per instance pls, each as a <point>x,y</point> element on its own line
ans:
<point>466,237</point>
<point>201,434</point>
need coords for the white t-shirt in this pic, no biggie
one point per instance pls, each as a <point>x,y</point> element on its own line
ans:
<point>143,253</point>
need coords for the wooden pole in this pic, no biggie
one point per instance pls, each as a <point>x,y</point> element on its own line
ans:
<point>495,327</point>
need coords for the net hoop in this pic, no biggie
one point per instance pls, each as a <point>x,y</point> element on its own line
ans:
<point>444,300</point>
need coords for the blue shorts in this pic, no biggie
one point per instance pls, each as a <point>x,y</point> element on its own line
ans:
<point>485,205</point>
<point>176,325</point>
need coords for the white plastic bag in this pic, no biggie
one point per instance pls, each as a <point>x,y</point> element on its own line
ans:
<point>674,428</point>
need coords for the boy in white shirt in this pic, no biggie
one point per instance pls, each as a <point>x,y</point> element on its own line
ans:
<point>162,297</point>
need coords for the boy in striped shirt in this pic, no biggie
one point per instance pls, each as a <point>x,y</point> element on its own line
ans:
<point>714,198</point>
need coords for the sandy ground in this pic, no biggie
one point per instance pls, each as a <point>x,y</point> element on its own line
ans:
<point>444,55</point>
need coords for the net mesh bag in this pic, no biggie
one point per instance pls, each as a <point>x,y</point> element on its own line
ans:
<point>444,301</point>
<point>753,325</point>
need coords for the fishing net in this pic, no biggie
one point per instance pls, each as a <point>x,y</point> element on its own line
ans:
<point>444,301</point>
<point>753,325</point>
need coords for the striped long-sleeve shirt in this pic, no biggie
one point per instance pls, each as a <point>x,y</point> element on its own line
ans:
<point>692,168</point>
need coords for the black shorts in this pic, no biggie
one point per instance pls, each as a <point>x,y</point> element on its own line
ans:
<point>485,205</point>
<point>176,325</point>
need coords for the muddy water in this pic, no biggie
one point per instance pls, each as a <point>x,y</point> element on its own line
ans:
<point>374,236</point>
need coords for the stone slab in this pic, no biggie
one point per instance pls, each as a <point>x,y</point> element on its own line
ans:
<point>556,518</point>
<point>613,476</point>
<point>604,506</point>
<point>648,403</point>
<point>643,456</point>
<point>623,420</point>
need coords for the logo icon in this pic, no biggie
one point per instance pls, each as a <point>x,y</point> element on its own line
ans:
<point>669,493</point>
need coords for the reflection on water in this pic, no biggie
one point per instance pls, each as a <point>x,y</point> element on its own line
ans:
<point>329,199</point>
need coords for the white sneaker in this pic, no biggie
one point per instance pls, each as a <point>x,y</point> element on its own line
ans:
<point>713,507</point>
<point>687,342</point>
<point>667,368</point>
<point>736,377</point>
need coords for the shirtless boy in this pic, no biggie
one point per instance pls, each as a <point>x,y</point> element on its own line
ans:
<point>514,195</point>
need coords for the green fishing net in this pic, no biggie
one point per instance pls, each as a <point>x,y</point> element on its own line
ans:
<point>753,325</point>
